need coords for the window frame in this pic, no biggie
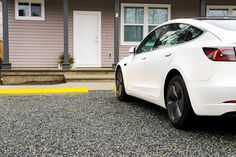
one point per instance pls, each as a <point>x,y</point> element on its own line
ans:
<point>145,24</point>
<point>230,8</point>
<point>30,17</point>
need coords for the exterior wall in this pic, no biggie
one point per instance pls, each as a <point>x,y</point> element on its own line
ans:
<point>225,2</point>
<point>191,9</point>
<point>179,9</point>
<point>1,20</point>
<point>36,43</point>
<point>39,43</point>
<point>106,7</point>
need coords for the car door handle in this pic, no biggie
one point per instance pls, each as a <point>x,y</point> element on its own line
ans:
<point>144,58</point>
<point>168,55</point>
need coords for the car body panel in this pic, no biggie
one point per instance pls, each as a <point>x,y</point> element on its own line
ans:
<point>209,83</point>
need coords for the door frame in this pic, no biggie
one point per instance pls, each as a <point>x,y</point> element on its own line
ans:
<point>75,34</point>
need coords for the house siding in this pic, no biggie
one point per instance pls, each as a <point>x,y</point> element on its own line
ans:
<point>36,43</point>
<point>39,43</point>
<point>179,9</point>
<point>1,31</point>
<point>220,2</point>
<point>191,9</point>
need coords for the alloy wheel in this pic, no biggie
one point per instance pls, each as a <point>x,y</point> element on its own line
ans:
<point>119,83</point>
<point>175,101</point>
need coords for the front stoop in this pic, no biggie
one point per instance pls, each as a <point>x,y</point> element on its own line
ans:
<point>55,76</point>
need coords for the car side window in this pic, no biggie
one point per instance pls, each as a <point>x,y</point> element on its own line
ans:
<point>178,33</point>
<point>150,41</point>
<point>192,33</point>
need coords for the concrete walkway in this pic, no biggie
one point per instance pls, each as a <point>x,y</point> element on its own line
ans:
<point>89,85</point>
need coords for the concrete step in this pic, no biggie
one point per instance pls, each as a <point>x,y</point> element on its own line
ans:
<point>82,71</point>
<point>89,78</point>
<point>12,79</point>
<point>54,76</point>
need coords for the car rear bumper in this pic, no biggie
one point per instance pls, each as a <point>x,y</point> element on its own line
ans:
<point>209,98</point>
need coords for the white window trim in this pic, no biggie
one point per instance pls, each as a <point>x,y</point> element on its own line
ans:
<point>17,17</point>
<point>145,25</point>
<point>229,7</point>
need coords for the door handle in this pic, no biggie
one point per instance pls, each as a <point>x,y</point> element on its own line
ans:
<point>168,55</point>
<point>144,58</point>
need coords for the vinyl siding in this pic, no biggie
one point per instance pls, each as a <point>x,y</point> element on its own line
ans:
<point>39,43</point>
<point>180,9</point>
<point>36,43</point>
<point>1,20</point>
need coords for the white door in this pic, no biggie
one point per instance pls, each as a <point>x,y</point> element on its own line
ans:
<point>87,39</point>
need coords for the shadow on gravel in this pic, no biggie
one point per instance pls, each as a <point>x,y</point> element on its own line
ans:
<point>223,124</point>
<point>148,106</point>
<point>217,124</point>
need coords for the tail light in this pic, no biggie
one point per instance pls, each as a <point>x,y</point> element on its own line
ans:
<point>221,54</point>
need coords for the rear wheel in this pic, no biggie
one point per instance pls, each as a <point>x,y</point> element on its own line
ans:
<point>178,104</point>
<point>120,88</point>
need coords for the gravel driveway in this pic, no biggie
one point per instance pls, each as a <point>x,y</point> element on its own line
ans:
<point>96,124</point>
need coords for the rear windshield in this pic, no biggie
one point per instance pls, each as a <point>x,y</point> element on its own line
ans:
<point>225,24</point>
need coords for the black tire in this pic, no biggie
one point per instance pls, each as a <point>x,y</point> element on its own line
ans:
<point>120,88</point>
<point>178,103</point>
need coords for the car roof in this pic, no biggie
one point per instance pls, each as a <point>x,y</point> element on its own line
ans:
<point>205,26</point>
<point>190,21</point>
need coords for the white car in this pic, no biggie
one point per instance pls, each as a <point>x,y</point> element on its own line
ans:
<point>187,66</point>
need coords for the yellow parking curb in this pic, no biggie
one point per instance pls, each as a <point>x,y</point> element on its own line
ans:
<point>43,91</point>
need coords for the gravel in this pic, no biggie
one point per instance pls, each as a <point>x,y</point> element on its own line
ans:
<point>97,124</point>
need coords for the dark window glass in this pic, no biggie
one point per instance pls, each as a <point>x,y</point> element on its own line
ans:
<point>150,28</point>
<point>218,12</point>
<point>192,33</point>
<point>234,12</point>
<point>133,33</point>
<point>177,34</point>
<point>35,10</point>
<point>151,41</point>
<point>134,15</point>
<point>157,16</point>
<point>23,9</point>
<point>133,20</point>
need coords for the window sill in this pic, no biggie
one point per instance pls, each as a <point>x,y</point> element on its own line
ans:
<point>30,18</point>
<point>123,43</point>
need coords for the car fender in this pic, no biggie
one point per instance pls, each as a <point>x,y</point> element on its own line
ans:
<point>187,83</point>
<point>122,65</point>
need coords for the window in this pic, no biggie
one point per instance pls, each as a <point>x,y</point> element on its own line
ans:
<point>137,20</point>
<point>178,34</point>
<point>151,41</point>
<point>221,10</point>
<point>133,24</point>
<point>156,16</point>
<point>234,12</point>
<point>168,35</point>
<point>29,10</point>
